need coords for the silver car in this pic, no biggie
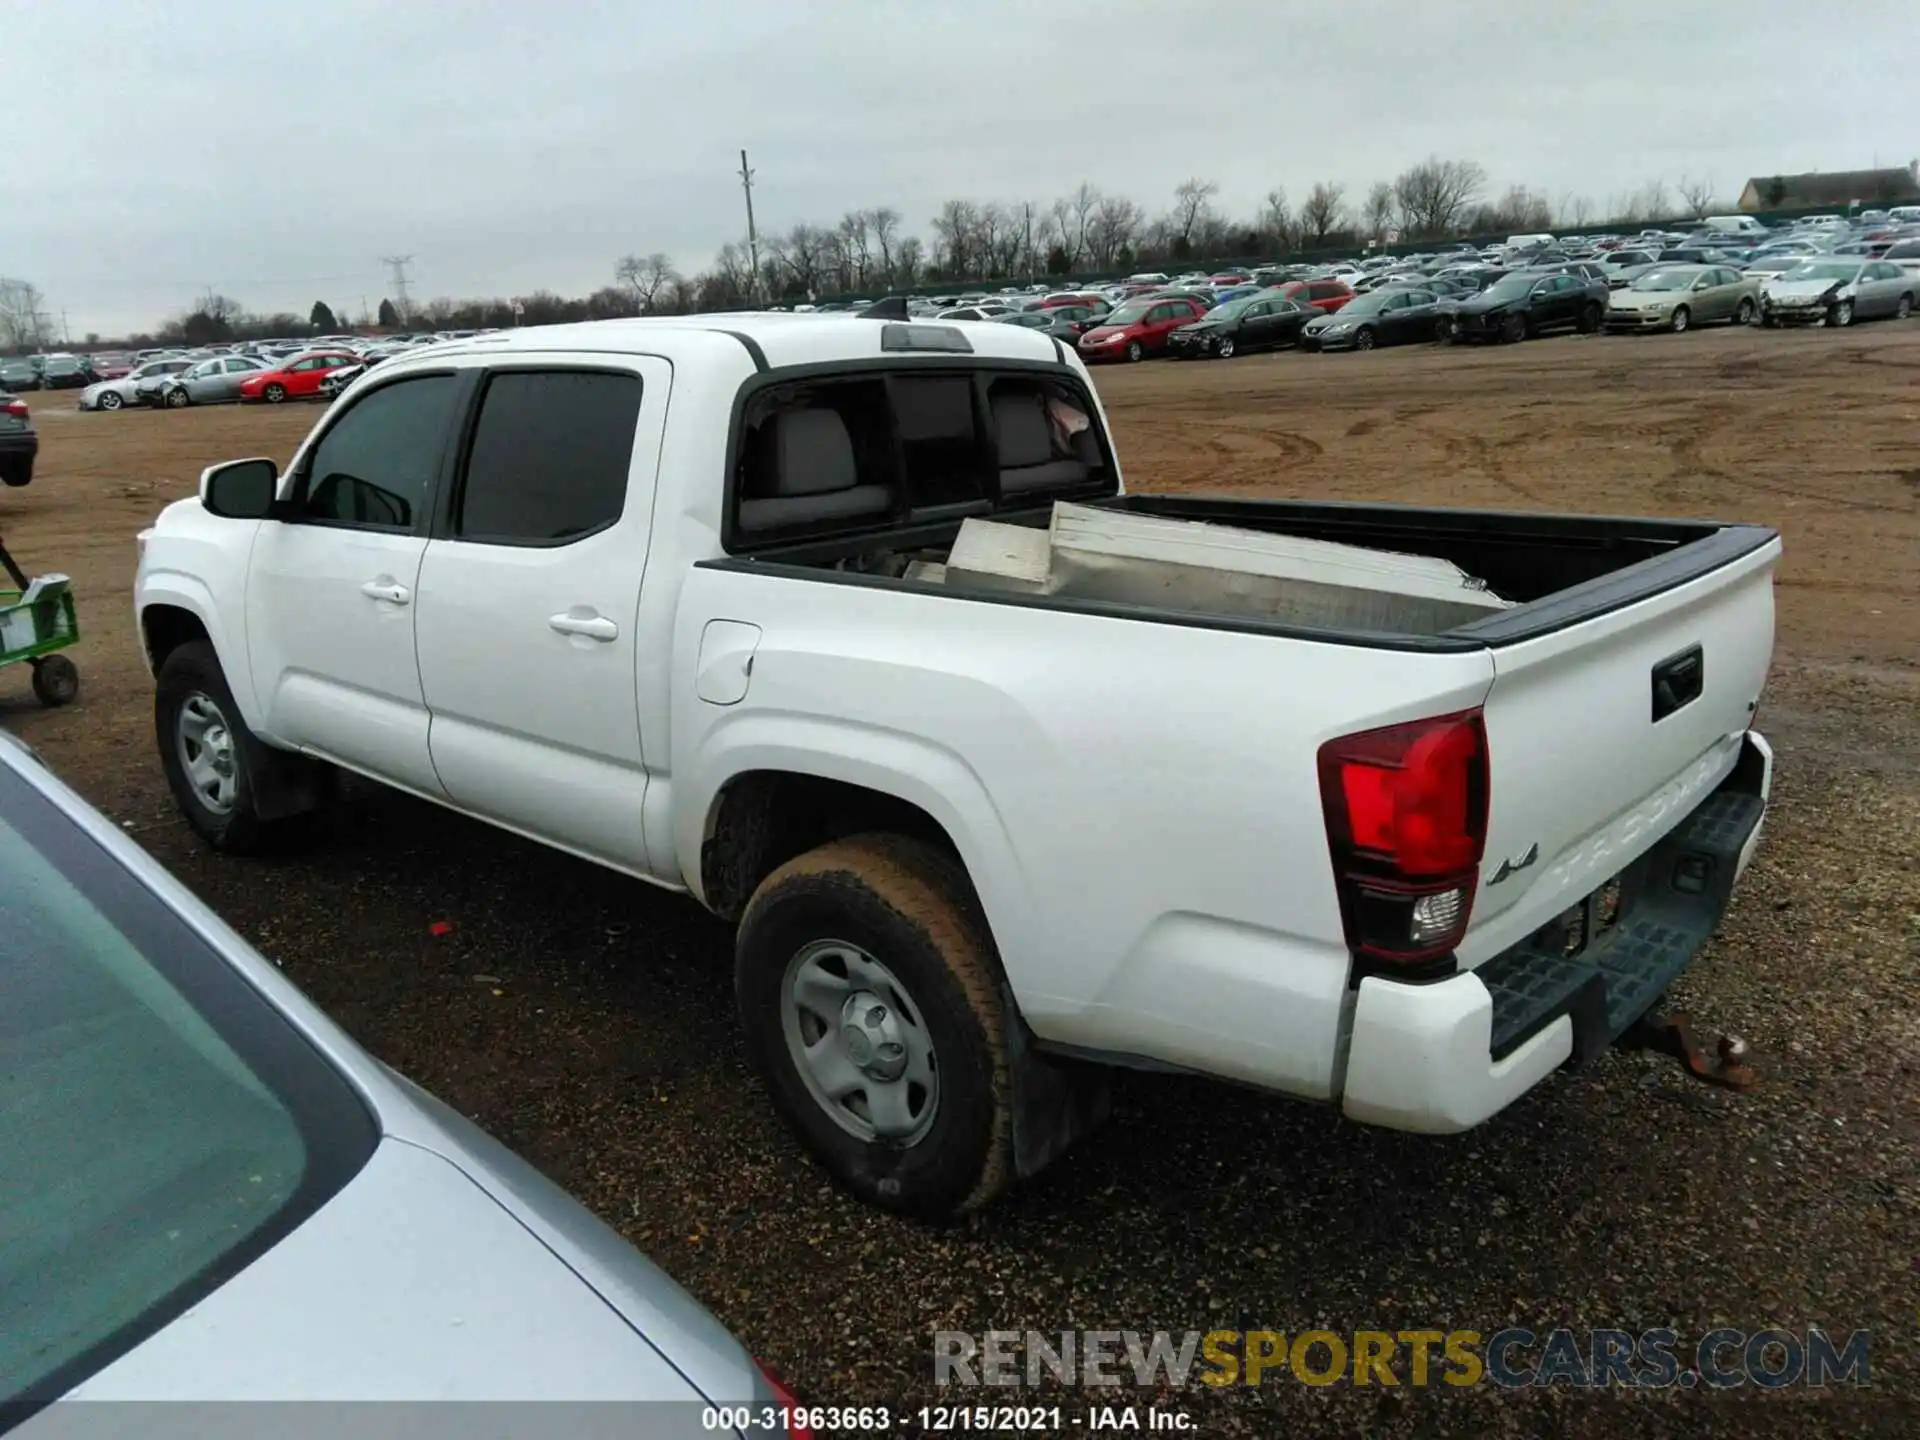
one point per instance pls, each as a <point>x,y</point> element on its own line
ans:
<point>1838,292</point>
<point>213,381</point>
<point>1676,297</point>
<point>118,394</point>
<point>212,1194</point>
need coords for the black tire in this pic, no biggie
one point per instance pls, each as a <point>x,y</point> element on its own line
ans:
<point>1904,308</point>
<point>910,907</point>
<point>15,477</point>
<point>1743,315</point>
<point>193,669</point>
<point>177,398</point>
<point>1443,329</point>
<point>1591,316</point>
<point>1136,351</point>
<point>1682,318</point>
<point>110,400</point>
<point>1363,338</point>
<point>274,393</point>
<point>56,681</point>
<point>1224,350</point>
<point>1513,329</point>
<point>1841,315</point>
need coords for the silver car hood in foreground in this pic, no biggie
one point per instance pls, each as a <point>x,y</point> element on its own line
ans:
<point>411,1284</point>
<point>446,1269</point>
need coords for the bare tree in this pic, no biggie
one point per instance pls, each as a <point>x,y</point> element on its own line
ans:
<point>1378,215</point>
<point>1652,201</point>
<point>1436,193</point>
<point>1275,221</point>
<point>856,248</point>
<point>1114,224</point>
<point>803,251</point>
<point>1575,211</point>
<point>909,260</point>
<point>646,276</point>
<point>1192,200</point>
<point>1323,212</point>
<point>955,234</point>
<point>885,222</point>
<point>1077,228</point>
<point>23,314</point>
<point>1697,196</point>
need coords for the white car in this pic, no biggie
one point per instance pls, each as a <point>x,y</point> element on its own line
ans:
<point>1905,254</point>
<point>689,599</point>
<point>121,393</point>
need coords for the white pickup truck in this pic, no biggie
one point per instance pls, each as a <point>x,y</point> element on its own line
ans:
<point>665,594</point>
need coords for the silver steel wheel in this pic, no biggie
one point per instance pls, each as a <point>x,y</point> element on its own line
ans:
<point>860,1043</point>
<point>206,748</point>
<point>1681,319</point>
<point>111,401</point>
<point>1225,348</point>
<point>1841,314</point>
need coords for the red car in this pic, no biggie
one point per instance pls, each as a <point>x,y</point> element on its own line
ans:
<point>1137,329</point>
<point>299,378</point>
<point>111,365</point>
<point>1326,296</point>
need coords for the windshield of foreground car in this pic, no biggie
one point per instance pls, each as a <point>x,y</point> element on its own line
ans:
<point>1663,280</point>
<point>1510,287</point>
<point>160,1124</point>
<point>1823,270</point>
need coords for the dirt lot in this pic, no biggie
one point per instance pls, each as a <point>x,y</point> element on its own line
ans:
<point>1626,1196</point>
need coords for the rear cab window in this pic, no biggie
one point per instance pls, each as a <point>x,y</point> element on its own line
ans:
<point>866,452</point>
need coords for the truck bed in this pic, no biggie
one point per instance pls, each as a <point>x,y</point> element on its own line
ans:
<point>1560,570</point>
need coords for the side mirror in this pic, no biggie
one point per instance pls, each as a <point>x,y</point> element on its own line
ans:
<point>240,489</point>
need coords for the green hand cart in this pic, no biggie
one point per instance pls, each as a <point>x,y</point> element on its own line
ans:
<point>36,620</point>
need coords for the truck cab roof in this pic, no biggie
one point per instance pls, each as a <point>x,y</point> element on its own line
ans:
<point>772,340</point>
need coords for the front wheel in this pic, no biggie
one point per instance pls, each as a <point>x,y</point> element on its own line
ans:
<point>111,401</point>
<point>1136,351</point>
<point>1225,348</point>
<point>177,398</point>
<point>274,393</point>
<point>56,681</point>
<point>871,999</point>
<point>1841,314</point>
<point>1514,329</point>
<point>204,749</point>
<point>1363,338</point>
<point>1681,319</point>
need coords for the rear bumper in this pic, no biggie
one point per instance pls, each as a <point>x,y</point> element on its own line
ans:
<point>1444,1056</point>
<point>17,451</point>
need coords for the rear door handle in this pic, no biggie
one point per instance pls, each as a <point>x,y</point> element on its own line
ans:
<point>594,627</point>
<point>387,590</point>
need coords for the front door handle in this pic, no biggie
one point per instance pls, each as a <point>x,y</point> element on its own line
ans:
<point>387,590</point>
<point>594,627</point>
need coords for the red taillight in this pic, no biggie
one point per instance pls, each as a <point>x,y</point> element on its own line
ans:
<point>1406,813</point>
<point>797,1429</point>
<point>17,407</point>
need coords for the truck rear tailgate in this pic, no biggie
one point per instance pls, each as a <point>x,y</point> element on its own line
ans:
<point>1605,734</point>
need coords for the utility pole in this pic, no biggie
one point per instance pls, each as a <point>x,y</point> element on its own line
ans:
<point>753,239</point>
<point>398,265</point>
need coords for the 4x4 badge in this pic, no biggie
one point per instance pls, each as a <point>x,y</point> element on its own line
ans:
<point>1513,867</point>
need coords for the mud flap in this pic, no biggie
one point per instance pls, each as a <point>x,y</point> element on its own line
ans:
<point>1055,1101</point>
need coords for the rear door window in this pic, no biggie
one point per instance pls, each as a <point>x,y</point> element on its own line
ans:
<point>550,457</point>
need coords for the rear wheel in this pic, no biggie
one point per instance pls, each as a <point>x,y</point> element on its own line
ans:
<point>1135,350</point>
<point>872,1004</point>
<point>1443,328</point>
<point>1744,314</point>
<point>1681,319</point>
<point>1904,308</point>
<point>1590,317</point>
<point>274,393</point>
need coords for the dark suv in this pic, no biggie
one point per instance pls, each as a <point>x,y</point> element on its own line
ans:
<point>18,443</point>
<point>1525,303</point>
<point>67,372</point>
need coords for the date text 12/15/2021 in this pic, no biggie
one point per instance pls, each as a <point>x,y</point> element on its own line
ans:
<point>950,1419</point>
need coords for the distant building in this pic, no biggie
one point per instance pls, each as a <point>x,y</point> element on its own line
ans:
<point>1838,188</point>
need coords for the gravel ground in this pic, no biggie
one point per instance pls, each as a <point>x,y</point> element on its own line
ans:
<point>587,1020</point>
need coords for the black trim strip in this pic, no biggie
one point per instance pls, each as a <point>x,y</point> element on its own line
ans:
<point>753,349</point>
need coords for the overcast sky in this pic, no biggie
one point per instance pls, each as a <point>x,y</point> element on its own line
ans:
<point>277,151</point>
